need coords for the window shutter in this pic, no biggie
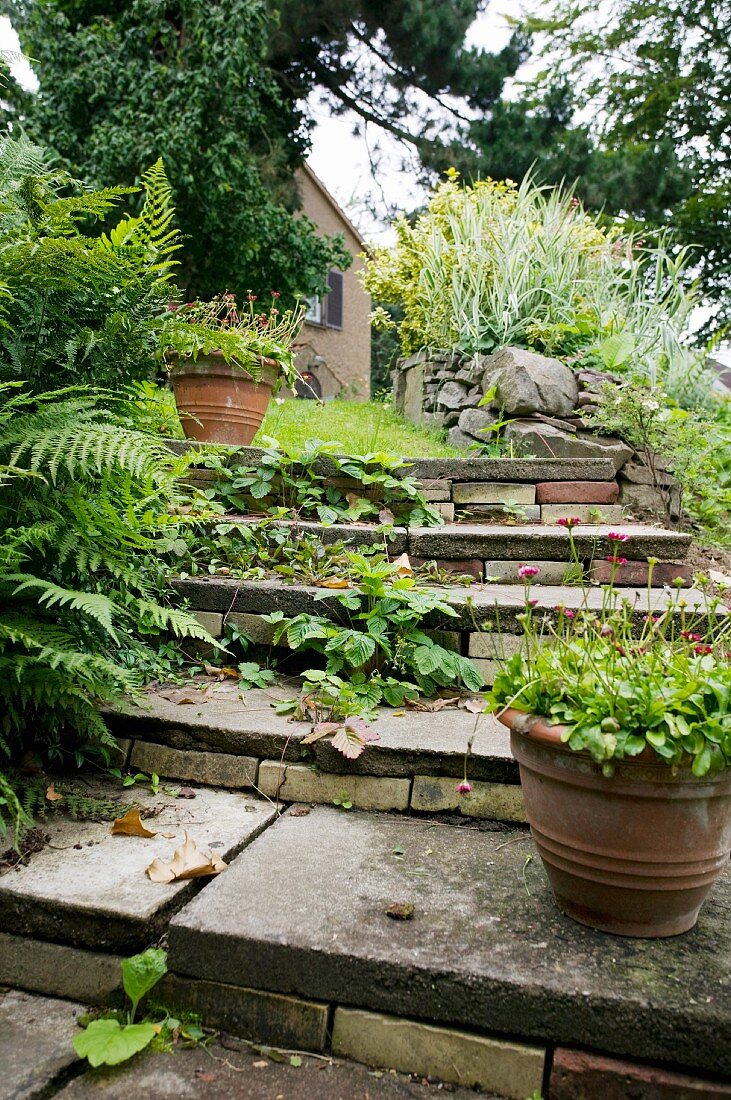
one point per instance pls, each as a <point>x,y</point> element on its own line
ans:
<point>334,300</point>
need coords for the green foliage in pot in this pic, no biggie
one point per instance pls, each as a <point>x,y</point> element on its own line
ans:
<point>619,687</point>
<point>243,336</point>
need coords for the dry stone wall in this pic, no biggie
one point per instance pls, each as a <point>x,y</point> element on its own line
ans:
<point>545,403</point>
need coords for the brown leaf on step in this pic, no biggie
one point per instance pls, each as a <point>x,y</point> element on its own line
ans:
<point>212,670</point>
<point>386,516</point>
<point>473,704</point>
<point>400,911</point>
<point>186,792</point>
<point>431,705</point>
<point>183,696</point>
<point>130,825</point>
<point>230,672</point>
<point>402,566</point>
<point>322,729</point>
<point>334,582</point>
<point>299,811</point>
<point>189,861</point>
<point>52,794</point>
<point>260,1065</point>
<point>168,836</point>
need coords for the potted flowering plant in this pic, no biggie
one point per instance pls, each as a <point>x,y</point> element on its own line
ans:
<point>225,363</point>
<point>621,725</point>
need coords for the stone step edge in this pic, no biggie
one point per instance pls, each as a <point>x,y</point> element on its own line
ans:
<point>291,1022</point>
<point>288,782</point>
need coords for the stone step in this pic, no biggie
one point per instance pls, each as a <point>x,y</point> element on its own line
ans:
<point>415,765</point>
<point>303,911</point>
<point>89,888</point>
<point>481,606</point>
<point>497,541</point>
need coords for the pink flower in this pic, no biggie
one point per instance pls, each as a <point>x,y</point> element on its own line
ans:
<point>568,521</point>
<point>690,637</point>
<point>606,631</point>
<point>276,294</point>
<point>702,649</point>
<point>616,561</point>
<point>531,603</point>
<point>251,297</point>
<point>526,571</point>
<point>464,787</point>
<point>616,536</point>
<point>569,613</point>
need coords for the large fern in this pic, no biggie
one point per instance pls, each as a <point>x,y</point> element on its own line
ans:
<point>85,508</point>
<point>78,305</point>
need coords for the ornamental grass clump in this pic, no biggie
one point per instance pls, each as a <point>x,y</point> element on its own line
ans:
<point>495,264</point>
<point>620,681</point>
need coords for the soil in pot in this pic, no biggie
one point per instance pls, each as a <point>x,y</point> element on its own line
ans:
<point>635,853</point>
<point>220,403</point>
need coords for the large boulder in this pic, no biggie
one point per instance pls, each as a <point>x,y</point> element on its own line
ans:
<point>477,422</point>
<point>528,383</point>
<point>539,440</point>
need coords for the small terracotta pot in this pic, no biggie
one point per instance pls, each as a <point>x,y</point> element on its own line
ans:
<point>635,853</point>
<point>219,403</point>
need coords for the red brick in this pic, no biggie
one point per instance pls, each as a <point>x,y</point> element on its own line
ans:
<point>467,566</point>
<point>577,492</point>
<point>578,1075</point>
<point>635,573</point>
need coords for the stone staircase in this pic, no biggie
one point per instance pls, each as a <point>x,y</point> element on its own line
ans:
<point>415,931</point>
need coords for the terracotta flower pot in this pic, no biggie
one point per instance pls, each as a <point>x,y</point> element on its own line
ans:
<point>635,853</point>
<point>219,403</point>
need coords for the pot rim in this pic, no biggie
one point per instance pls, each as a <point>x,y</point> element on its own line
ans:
<point>213,362</point>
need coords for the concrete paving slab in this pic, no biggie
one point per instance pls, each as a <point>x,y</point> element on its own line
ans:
<point>89,888</point>
<point>36,1034</point>
<point>223,1073</point>
<point>303,911</point>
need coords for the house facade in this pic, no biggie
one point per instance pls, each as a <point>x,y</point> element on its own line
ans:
<point>334,347</point>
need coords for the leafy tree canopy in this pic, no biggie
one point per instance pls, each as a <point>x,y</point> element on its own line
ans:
<point>656,75</point>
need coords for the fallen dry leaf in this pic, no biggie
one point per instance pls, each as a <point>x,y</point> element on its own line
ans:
<point>431,705</point>
<point>183,696</point>
<point>52,794</point>
<point>472,704</point>
<point>189,861</point>
<point>130,825</point>
<point>386,516</point>
<point>334,582</point>
<point>402,566</point>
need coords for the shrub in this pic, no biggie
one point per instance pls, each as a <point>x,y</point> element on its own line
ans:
<point>494,264</point>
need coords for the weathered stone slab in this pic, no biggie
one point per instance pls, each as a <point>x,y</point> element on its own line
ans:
<point>637,573</point>
<point>58,970</point>
<point>211,621</point>
<point>497,801</point>
<point>36,1034</point>
<point>218,769</point>
<point>409,743</point>
<point>510,1069</point>
<point>546,441</point>
<point>513,469</point>
<point>446,511</point>
<point>586,513</point>
<point>495,646</point>
<point>493,492</point>
<point>467,567</point>
<point>90,888</point>
<point>506,572</point>
<point>580,1075</point>
<point>299,783</point>
<point>267,1017</point>
<point>501,513</point>
<point>577,492</point>
<point>548,542</point>
<point>486,947</point>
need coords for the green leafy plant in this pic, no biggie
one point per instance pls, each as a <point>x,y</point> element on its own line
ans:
<point>107,1041</point>
<point>618,690</point>
<point>315,481</point>
<point>344,801</point>
<point>85,506</point>
<point>381,648</point>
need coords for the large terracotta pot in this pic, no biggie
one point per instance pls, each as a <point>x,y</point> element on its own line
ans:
<point>219,403</point>
<point>634,853</point>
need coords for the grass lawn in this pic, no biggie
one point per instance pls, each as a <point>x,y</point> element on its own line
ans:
<point>360,426</point>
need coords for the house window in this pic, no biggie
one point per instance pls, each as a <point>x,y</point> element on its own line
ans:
<point>327,311</point>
